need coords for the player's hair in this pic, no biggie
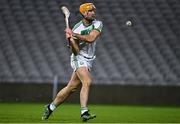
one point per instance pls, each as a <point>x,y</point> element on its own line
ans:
<point>86,7</point>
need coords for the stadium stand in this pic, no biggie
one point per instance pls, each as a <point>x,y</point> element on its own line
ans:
<point>33,46</point>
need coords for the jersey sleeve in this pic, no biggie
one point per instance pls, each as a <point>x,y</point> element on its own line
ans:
<point>98,26</point>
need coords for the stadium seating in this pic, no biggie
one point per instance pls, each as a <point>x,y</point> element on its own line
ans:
<point>33,46</point>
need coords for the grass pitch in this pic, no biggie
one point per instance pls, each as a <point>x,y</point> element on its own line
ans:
<point>70,113</point>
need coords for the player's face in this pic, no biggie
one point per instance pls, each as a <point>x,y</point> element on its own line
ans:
<point>90,15</point>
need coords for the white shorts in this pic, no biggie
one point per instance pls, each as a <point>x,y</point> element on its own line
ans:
<point>81,61</point>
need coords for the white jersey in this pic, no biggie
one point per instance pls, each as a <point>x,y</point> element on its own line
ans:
<point>88,49</point>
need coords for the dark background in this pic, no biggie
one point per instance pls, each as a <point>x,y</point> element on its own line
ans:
<point>137,64</point>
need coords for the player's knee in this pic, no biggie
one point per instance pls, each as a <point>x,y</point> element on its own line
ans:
<point>87,82</point>
<point>72,88</point>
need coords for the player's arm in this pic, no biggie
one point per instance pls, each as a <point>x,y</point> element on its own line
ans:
<point>74,45</point>
<point>91,37</point>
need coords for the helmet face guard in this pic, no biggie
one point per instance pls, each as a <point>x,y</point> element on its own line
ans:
<point>86,7</point>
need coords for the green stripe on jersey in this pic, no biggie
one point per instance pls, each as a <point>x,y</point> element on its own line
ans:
<point>77,25</point>
<point>88,30</point>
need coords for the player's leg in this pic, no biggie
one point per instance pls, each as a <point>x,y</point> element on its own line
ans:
<point>66,91</point>
<point>62,95</point>
<point>86,79</point>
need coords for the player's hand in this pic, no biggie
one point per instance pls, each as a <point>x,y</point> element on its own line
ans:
<point>68,32</point>
<point>68,36</point>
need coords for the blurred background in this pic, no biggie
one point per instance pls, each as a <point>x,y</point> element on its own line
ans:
<point>135,64</point>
